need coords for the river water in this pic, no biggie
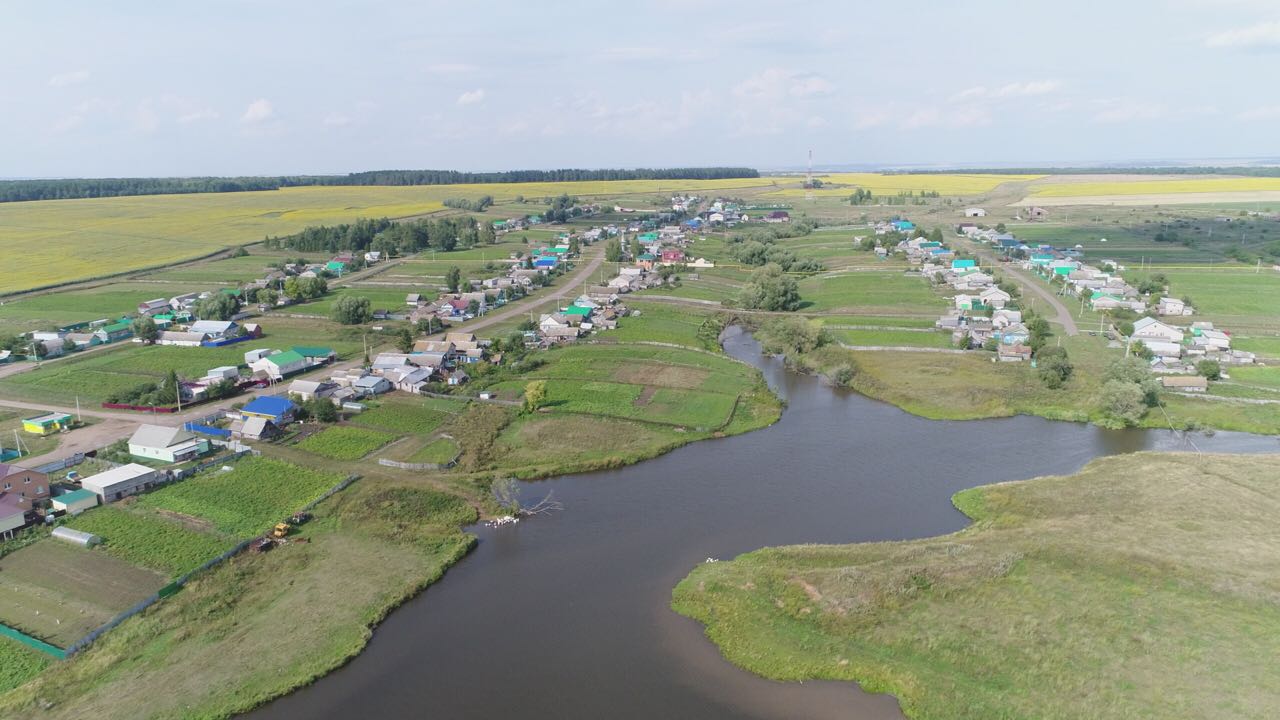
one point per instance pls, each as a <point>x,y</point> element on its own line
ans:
<point>567,615</point>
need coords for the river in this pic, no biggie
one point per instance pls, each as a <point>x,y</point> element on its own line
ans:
<point>567,615</point>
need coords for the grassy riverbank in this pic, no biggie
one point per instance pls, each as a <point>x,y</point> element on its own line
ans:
<point>1142,586</point>
<point>264,624</point>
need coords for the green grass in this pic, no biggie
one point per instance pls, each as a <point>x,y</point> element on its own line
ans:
<point>408,415</point>
<point>19,663</point>
<point>380,298</point>
<point>890,291</point>
<point>198,654</point>
<point>1138,588</point>
<point>889,337</point>
<point>664,323</point>
<point>93,377</point>
<point>249,499</point>
<point>149,540</point>
<point>345,442</point>
<point>440,450</point>
<point>1266,347</point>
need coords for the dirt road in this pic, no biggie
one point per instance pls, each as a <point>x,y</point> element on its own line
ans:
<point>1063,313</point>
<point>569,284</point>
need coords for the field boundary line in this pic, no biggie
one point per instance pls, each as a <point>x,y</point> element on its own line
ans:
<point>32,642</point>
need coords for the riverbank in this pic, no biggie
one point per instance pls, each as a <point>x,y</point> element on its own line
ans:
<point>1138,587</point>
<point>972,386</point>
<point>264,625</point>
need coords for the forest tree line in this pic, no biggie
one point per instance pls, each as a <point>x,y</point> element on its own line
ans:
<point>390,238</point>
<point>71,188</point>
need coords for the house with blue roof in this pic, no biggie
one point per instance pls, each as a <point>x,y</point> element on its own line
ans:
<point>903,225</point>
<point>545,263</point>
<point>279,410</point>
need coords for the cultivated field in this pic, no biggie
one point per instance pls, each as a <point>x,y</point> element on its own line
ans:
<point>65,240</point>
<point>843,184</point>
<point>1140,587</point>
<point>345,442</point>
<point>249,499</point>
<point>58,592</point>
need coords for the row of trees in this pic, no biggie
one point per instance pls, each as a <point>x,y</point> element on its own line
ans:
<point>477,205</point>
<point>20,190</point>
<point>390,238</point>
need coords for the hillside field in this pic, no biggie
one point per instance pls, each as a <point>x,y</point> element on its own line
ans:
<point>1141,587</point>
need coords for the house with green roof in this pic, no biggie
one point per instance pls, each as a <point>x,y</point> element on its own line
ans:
<point>114,332</point>
<point>316,353</point>
<point>280,365</point>
<point>336,266</point>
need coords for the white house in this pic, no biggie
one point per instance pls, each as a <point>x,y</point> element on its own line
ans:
<point>74,502</point>
<point>224,372</point>
<point>215,329</point>
<point>280,365</point>
<point>307,389</point>
<point>181,339</point>
<point>995,297</point>
<point>1163,349</point>
<point>1151,329</point>
<point>120,482</point>
<point>167,444</point>
<point>1173,306</point>
<point>12,517</point>
<point>975,212</point>
<point>371,385</point>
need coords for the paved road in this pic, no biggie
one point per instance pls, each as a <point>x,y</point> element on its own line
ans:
<point>1036,286</point>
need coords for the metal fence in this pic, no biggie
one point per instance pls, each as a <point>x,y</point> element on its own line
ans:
<point>63,464</point>
<point>33,643</point>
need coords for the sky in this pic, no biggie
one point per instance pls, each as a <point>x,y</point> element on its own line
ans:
<point>124,88</point>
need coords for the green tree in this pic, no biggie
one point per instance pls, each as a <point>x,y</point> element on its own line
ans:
<point>453,279</point>
<point>574,246</point>
<point>770,289</point>
<point>473,307</point>
<point>351,310</point>
<point>404,340</point>
<point>1053,366</point>
<point>322,410</point>
<point>1136,372</point>
<point>613,250</point>
<point>1210,369</point>
<point>145,329</point>
<point>1123,402</point>
<point>535,395</point>
<point>218,306</point>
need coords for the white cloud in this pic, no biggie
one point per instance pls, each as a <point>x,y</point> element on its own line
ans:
<point>870,119</point>
<point>649,53</point>
<point>453,68</point>
<point>69,78</point>
<point>259,111</point>
<point>775,84</point>
<point>1270,112</point>
<point>336,119</point>
<point>961,117</point>
<point>197,115</point>
<point>471,97</point>
<point>1121,110</point>
<point>1262,35</point>
<point>1014,89</point>
<point>145,117</point>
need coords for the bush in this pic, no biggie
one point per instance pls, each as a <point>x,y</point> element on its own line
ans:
<point>1210,369</point>
<point>1053,366</point>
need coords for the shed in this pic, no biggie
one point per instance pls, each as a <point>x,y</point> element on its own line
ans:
<point>46,424</point>
<point>120,482</point>
<point>76,537</point>
<point>75,502</point>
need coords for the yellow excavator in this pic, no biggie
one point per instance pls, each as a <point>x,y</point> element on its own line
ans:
<point>280,530</point>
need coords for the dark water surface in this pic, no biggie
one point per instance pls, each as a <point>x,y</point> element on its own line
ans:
<point>567,615</point>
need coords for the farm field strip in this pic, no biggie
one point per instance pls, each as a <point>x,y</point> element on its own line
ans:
<point>66,240</point>
<point>345,442</point>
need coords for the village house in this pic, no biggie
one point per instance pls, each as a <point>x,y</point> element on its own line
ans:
<point>120,482</point>
<point>1173,306</point>
<point>181,339</point>
<point>24,488</point>
<point>254,428</point>
<point>1013,353</point>
<point>1151,329</point>
<point>215,329</point>
<point>370,385</point>
<point>12,517</point>
<point>166,444</point>
<point>47,424</point>
<point>1184,383</point>
<point>994,297</point>
<point>74,502</point>
<point>307,389</point>
<point>153,307</point>
<point>279,365</point>
<point>975,212</point>
<point>279,410</point>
